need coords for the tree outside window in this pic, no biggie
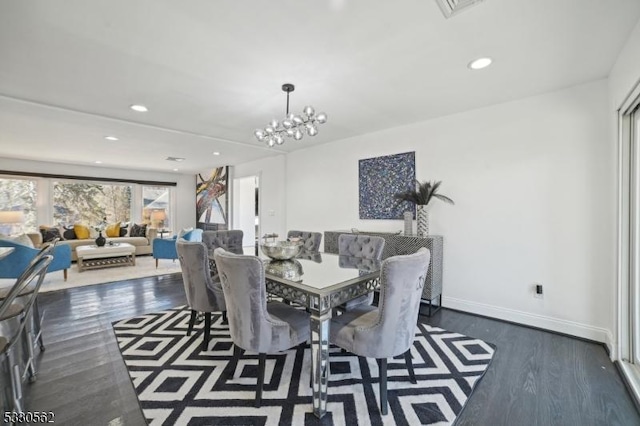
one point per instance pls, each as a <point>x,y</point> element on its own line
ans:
<point>89,203</point>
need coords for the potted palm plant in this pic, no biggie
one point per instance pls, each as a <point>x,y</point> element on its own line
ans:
<point>423,193</point>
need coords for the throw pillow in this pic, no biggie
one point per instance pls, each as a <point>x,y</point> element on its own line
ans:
<point>24,240</point>
<point>82,231</point>
<point>124,230</point>
<point>113,230</point>
<point>69,233</point>
<point>138,230</point>
<point>183,231</point>
<point>49,234</point>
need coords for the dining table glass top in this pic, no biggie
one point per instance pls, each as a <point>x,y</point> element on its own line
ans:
<point>319,272</point>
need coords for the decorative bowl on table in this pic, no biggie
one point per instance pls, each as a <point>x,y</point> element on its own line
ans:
<point>281,250</point>
<point>287,269</point>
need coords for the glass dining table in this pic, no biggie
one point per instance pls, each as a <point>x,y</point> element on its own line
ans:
<point>320,282</point>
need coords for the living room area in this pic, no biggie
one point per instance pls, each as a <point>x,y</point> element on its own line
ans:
<point>536,150</point>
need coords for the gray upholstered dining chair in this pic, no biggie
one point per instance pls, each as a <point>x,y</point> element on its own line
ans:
<point>388,330</point>
<point>230,240</point>
<point>364,247</point>
<point>15,336</point>
<point>203,293</point>
<point>311,240</point>
<point>255,324</point>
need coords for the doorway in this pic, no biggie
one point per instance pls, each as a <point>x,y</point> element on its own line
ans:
<point>246,209</point>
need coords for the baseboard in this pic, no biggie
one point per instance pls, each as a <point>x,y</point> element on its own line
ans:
<point>572,328</point>
<point>612,346</point>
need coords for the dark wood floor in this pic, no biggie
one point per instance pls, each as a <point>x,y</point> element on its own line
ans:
<point>536,378</point>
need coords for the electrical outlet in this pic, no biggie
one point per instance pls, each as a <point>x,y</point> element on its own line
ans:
<point>538,290</point>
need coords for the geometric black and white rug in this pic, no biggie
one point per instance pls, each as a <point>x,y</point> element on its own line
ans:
<point>177,384</point>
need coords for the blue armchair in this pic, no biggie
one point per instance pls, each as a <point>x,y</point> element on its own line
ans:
<point>166,248</point>
<point>14,264</point>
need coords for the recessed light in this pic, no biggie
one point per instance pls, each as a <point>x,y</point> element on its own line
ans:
<point>111,138</point>
<point>139,108</point>
<point>216,153</point>
<point>98,162</point>
<point>478,64</point>
<point>175,170</point>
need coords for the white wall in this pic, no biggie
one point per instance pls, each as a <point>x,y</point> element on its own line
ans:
<point>244,208</point>
<point>533,181</point>
<point>271,172</point>
<point>626,71</point>
<point>185,189</point>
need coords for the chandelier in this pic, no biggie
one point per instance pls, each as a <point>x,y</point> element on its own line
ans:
<point>293,126</point>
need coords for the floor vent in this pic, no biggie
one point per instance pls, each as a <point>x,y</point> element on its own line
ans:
<point>453,7</point>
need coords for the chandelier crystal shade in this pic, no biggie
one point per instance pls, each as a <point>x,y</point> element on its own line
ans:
<point>293,126</point>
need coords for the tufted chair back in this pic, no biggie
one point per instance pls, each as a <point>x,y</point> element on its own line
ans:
<point>203,294</point>
<point>359,245</point>
<point>311,240</point>
<point>361,263</point>
<point>229,240</point>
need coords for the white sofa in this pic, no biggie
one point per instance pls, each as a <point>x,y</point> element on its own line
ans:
<point>143,245</point>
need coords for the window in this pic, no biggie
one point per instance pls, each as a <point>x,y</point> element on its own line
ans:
<point>18,195</point>
<point>156,206</point>
<point>90,203</point>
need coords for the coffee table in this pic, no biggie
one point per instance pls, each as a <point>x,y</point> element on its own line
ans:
<point>93,257</point>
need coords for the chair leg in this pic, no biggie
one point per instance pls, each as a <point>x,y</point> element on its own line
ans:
<point>261,361</point>
<point>37,319</point>
<point>224,317</point>
<point>16,382</point>
<point>408,360</point>
<point>156,263</point>
<point>192,321</point>
<point>207,330</point>
<point>382,364</point>
<point>64,274</point>
<point>237,353</point>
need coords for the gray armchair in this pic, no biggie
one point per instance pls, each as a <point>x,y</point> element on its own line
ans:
<point>388,330</point>
<point>203,293</point>
<point>360,246</point>
<point>255,324</point>
<point>311,240</point>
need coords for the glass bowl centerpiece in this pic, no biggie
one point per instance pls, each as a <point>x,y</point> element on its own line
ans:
<point>282,250</point>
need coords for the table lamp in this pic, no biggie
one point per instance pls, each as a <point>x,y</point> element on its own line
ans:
<point>10,219</point>
<point>158,217</point>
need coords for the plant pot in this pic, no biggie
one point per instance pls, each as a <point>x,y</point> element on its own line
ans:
<point>408,223</point>
<point>100,241</point>
<point>423,220</point>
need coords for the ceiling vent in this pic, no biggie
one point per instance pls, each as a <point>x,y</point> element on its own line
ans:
<point>453,7</point>
<point>175,159</point>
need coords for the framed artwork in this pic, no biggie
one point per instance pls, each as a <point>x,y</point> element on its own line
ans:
<point>380,178</point>
<point>212,199</point>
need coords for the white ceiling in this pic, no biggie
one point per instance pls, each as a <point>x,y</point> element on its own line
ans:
<point>210,71</point>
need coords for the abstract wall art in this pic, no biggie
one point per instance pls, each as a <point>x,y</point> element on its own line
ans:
<point>212,200</point>
<point>380,178</point>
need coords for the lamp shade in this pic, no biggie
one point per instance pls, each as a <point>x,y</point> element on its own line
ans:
<point>158,215</point>
<point>11,216</point>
